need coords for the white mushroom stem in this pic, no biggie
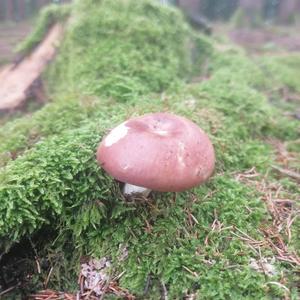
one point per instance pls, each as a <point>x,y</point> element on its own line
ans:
<point>130,189</point>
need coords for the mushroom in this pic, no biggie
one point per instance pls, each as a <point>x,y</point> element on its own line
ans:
<point>160,151</point>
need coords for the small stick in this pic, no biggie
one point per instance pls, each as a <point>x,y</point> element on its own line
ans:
<point>48,277</point>
<point>164,291</point>
<point>279,284</point>
<point>287,172</point>
<point>8,290</point>
<point>195,220</point>
<point>190,271</point>
<point>119,276</point>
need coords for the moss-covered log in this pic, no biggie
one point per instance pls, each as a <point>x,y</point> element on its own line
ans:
<point>117,58</point>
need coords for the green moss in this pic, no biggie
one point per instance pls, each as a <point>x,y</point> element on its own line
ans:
<point>123,54</point>
<point>126,49</point>
<point>165,244</point>
<point>67,189</point>
<point>35,185</point>
<point>282,80</point>
<point>239,67</point>
<point>282,71</point>
<point>65,113</point>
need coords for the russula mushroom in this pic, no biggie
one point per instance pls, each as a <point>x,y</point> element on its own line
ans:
<point>160,151</point>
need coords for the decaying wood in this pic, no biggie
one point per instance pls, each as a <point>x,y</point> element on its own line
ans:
<point>19,81</point>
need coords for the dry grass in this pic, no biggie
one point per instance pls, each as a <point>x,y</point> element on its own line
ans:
<point>283,209</point>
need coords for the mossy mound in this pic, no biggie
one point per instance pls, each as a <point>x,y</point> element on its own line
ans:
<point>126,49</point>
<point>120,59</point>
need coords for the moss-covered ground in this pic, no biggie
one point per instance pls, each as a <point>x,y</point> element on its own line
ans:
<point>121,59</point>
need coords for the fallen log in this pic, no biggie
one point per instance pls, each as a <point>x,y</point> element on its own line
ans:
<point>18,81</point>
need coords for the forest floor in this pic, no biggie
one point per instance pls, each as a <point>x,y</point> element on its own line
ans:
<point>264,39</point>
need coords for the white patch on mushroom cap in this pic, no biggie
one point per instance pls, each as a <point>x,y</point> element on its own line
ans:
<point>116,134</point>
<point>162,132</point>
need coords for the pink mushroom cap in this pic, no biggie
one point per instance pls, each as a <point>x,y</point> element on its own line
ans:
<point>160,151</point>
